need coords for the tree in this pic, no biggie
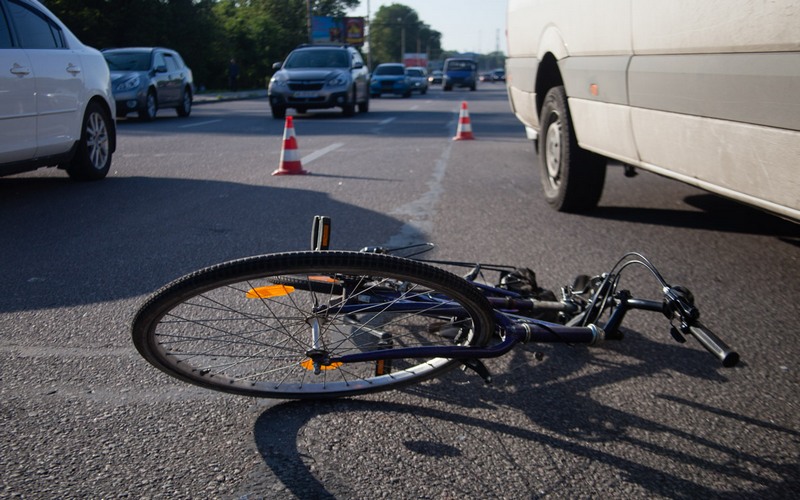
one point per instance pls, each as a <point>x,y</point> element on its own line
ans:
<point>207,33</point>
<point>395,24</point>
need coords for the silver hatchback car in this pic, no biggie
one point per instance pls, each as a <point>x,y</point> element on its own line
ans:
<point>146,79</point>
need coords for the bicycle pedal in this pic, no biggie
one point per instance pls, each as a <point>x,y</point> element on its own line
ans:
<point>478,367</point>
<point>321,233</point>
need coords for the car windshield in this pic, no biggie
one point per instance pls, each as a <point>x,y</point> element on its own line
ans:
<point>460,65</point>
<point>317,59</point>
<point>414,72</point>
<point>128,61</point>
<point>389,70</point>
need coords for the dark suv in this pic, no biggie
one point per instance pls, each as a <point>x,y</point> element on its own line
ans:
<point>320,77</point>
<point>146,79</point>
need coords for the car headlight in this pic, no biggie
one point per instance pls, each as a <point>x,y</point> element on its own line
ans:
<point>129,84</point>
<point>339,80</point>
<point>277,81</point>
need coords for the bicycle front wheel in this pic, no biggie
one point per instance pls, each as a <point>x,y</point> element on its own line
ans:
<point>263,326</point>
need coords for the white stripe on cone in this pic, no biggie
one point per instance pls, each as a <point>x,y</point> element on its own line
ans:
<point>290,155</point>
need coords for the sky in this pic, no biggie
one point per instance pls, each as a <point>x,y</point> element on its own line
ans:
<point>466,25</point>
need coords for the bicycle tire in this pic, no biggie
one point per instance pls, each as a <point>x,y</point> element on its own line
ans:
<point>202,329</point>
<point>319,284</point>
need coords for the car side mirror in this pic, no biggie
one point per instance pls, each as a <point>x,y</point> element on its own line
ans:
<point>161,69</point>
<point>276,66</point>
<point>358,65</point>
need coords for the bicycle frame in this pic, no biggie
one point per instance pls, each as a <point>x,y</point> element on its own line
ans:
<point>513,329</point>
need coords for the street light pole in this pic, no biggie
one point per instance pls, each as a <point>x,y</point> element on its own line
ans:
<point>402,22</point>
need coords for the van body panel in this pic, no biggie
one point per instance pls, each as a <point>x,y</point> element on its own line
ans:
<point>706,93</point>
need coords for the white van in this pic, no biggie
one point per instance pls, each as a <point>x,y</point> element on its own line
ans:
<point>707,93</point>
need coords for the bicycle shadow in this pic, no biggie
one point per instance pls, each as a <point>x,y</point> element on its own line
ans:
<point>427,428</point>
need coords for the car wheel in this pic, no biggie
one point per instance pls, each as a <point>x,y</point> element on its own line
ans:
<point>148,113</point>
<point>572,177</point>
<point>278,112</point>
<point>185,108</point>
<point>92,159</point>
<point>448,88</point>
<point>364,106</point>
<point>407,94</point>
<point>424,91</point>
<point>349,109</point>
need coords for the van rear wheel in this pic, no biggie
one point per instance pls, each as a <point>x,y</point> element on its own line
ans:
<point>572,177</point>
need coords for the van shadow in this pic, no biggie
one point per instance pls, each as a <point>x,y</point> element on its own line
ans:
<point>716,214</point>
<point>443,431</point>
<point>68,243</point>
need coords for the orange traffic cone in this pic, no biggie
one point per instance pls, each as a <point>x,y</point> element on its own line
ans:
<point>290,156</point>
<point>464,132</point>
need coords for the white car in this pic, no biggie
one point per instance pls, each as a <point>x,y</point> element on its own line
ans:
<point>56,105</point>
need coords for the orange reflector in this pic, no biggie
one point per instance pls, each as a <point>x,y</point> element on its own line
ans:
<point>309,365</point>
<point>593,89</point>
<point>322,279</point>
<point>265,292</point>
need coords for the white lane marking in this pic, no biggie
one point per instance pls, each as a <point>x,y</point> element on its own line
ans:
<point>199,123</point>
<point>321,152</point>
<point>387,121</point>
<point>420,211</point>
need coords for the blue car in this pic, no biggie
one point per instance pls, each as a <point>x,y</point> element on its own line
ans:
<point>390,78</point>
<point>460,72</point>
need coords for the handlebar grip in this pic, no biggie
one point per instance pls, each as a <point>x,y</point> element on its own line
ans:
<point>714,345</point>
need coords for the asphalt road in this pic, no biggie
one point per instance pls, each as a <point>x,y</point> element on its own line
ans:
<point>82,415</point>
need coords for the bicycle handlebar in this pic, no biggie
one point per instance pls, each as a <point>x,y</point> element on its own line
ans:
<point>713,344</point>
<point>679,302</point>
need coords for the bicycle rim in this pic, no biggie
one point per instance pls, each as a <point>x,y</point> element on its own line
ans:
<point>248,326</point>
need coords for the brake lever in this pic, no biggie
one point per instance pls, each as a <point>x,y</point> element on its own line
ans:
<point>679,301</point>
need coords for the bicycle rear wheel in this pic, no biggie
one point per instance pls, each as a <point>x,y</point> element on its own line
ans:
<point>252,326</point>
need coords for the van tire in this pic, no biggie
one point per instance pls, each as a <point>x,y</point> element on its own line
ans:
<point>572,177</point>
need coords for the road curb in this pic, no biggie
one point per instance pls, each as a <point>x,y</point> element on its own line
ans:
<point>228,96</point>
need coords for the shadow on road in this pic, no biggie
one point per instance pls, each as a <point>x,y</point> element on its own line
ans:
<point>452,436</point>
<point>715,214</point>
<point>67,243</point>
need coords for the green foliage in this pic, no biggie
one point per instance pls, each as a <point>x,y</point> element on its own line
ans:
<point>257,33</point>
<point>387,33</point>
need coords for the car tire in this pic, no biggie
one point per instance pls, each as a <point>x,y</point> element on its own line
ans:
<point>448,88</point>
<point>572,177</point>
<point>364,106</point>
<point>278,112</point>
<point>92,159</point>
<point>349,109</point>
<point>150,109</point>
<point>185,108</point>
